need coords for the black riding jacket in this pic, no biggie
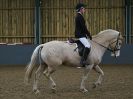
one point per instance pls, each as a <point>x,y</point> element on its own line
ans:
<point>80,27</point>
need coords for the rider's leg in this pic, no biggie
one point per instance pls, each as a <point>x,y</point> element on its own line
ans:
<point>87,45</point>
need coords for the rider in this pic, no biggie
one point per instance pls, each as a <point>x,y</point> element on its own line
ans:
<point>81,31</point>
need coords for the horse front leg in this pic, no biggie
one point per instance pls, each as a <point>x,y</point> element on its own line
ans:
<point>100,78</point>
<point>84,78</point>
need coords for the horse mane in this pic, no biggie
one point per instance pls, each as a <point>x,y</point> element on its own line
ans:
<point>106,31</point>
<point>104,34</point>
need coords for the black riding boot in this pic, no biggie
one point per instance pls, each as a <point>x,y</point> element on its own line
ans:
<point>84,57</point>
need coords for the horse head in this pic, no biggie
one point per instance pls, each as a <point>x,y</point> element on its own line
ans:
<point>115,45</point>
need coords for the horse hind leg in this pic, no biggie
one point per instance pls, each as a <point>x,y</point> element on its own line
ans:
<point>100,78</point>
<point>37,75</point>
<point>52,63</point>
<point>47,73</point>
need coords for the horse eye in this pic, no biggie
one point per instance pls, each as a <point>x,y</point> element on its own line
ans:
<point>119,43</point>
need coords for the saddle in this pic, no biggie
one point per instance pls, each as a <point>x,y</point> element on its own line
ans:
<point>79,44</point>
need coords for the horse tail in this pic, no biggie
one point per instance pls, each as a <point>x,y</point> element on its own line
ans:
<point>32,63</point>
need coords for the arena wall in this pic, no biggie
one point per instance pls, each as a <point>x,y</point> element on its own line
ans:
<point>20,55</point>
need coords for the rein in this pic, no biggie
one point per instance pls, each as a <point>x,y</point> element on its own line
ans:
<point>109,49</point>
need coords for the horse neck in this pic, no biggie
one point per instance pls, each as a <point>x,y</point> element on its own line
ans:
<point>101,43</point>
<point>105,38</point>
<point>99,46</point>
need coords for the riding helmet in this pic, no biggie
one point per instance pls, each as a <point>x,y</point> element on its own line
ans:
<point>79,6</point>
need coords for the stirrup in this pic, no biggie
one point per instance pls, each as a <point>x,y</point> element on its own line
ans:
<point>83,63</point>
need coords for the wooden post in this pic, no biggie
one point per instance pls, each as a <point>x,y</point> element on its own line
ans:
<point>127,21</point>
<point>37,22</point>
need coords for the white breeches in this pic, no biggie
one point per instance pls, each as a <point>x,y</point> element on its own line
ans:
<point>85,42</point>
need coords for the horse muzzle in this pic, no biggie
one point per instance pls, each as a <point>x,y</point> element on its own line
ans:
<point>116,53</point>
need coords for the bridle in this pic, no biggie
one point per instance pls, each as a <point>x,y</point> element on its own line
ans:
<point>109,47</point>
<point>116,45</point>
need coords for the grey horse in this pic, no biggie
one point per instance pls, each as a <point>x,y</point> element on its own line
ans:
<point>55,53</point>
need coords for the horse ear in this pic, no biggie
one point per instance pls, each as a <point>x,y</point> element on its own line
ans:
<point>121,37</point>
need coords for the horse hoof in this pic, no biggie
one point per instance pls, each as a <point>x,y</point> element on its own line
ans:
<point>95,85</point>
<point>84,90</point>
<point>53,90</point>
<point>36,91</point>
